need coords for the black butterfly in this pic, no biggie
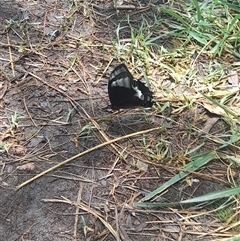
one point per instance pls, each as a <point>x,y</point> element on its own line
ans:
<point>125,92</point>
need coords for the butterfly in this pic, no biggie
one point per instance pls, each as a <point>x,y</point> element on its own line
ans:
<point>125,92</point>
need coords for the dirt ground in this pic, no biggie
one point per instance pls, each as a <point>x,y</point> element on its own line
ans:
<point>55,63</point>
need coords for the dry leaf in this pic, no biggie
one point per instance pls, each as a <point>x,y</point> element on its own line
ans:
<point>123,234</point>
<point>17,150</point>
<point>209,124</point>
<point>233,79</point>
<point>233,106</point>
<point>140,227</point>
<point>29,166</point>
<point>62,87</point>
<point>119,2</point>
<point>142,166</point>
<point>214,109</point>
<point>129,222</point>
<point>37,140</point>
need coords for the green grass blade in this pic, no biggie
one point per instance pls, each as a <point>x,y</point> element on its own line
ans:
<point>198,37</point>
<point>204,198</point>
<point>214,195</point>
<point>236,238</point>
<point>196,163</point>
<point>154,205</point>
<point>199,15</point>
<point>221,44</point>
<point>234,159</point>
<point>235,7</point>
<point>175,15</point>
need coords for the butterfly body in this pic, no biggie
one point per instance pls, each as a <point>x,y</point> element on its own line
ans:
<point>125,92</point>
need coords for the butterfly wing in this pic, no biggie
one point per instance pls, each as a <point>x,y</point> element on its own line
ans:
<point>125,92</point>
<point>147,99</point>
<point>120,87</point>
